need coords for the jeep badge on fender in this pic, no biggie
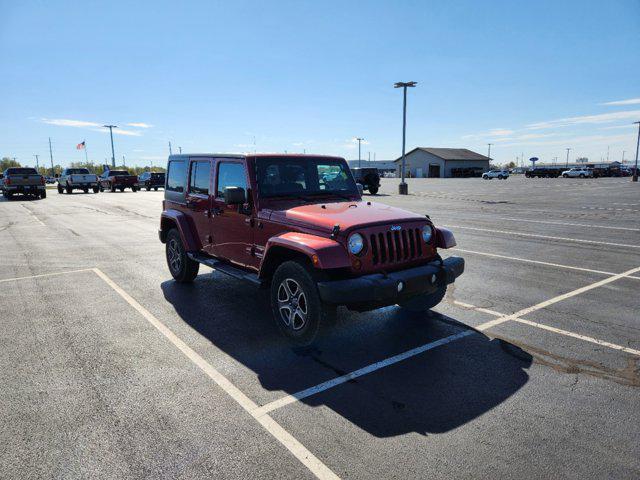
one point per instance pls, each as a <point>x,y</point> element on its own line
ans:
<point>296,224</point>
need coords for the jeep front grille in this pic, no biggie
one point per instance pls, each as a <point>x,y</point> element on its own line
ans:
<point>397,246</point>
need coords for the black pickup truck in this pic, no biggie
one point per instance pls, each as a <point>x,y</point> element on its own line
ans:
<point>369,178</point>
<point>149,180</point>
<point>23,180</point>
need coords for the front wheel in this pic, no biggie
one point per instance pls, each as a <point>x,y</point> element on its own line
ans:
<point>296,305</point>
<point>69,189</point>
<point>96,189</point>
<point>565,176</point>
<point>43,194</point>
<point>113,188</point>
<point>373,190</point>
<point>500,177</point>
<point>148,188</point>
<point>582,175</point>
<point>60,189</point>
<point>424,302</point>
<point>182,268</point>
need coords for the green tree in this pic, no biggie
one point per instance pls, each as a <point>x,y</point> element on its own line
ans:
<point>7,162</point>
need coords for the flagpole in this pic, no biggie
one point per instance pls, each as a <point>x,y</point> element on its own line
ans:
<point>86,159</point>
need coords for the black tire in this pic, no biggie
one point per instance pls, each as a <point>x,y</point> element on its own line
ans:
<point>60,189</point>
<point>96,189</point>
<point>69,189</point>
<point>134,189</point>
<point>113,187</point>
<point>43,194</point>
<point>565,176</point>
<point>85,190</point>
<point>8,195</point>
<point>582,175</point>
<point>373,190</point>
<point>155,189</point>
<point>182,268</point>
<point>121,189</point>
<point>500,177</point>
<point>148,188</point>
<point>422,303</point>
<point>293,287</point>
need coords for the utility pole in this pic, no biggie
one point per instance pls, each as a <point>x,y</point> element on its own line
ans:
<point>567,165</point>
<point>51,157</point>
<point>170,152</point>
<point>369,158</point>
<point>489,153</point>
<point>607,153</point>
<point>124,164</point>
<point>623,151</point>
<point>37,163</point>
<point>113,153</point>
<point>635,171</point>
<point>180,148</point>
<point>403,189</point>
<point>359,159</point>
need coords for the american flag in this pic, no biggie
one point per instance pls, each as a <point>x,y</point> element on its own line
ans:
<point>80,146</point>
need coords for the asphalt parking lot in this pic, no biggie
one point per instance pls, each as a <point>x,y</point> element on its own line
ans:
<point>528,369</point>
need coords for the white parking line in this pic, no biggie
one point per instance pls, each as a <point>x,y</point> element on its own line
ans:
<point>553,329</point>
<point>319,469</point>
<point>546,222</point>
<point>534,235</point>
<point>537,262</point>
<point>33,215</point>
<point>288,399</point>
<point>559,298</point>
<point>44,275</point>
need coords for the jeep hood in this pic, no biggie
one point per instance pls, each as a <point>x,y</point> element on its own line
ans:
<point>347,214</point>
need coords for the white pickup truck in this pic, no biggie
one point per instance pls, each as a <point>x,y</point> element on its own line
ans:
<point>78,179</point>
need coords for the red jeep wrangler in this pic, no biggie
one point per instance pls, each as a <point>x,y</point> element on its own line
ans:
<point>297,224</point>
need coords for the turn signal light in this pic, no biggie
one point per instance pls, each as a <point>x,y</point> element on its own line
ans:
<point>315,260</point>
<point>357,264</point>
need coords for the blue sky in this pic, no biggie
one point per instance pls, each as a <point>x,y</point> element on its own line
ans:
<point>530,77</point>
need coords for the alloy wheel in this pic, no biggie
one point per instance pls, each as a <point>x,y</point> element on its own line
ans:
<point>175,255</point>
<point>292,304</point>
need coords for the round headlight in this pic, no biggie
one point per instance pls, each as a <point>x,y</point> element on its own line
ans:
<point>356,243</point>
<point>426,233</point>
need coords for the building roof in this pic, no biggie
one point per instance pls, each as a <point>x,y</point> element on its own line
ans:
<point>451,153</point>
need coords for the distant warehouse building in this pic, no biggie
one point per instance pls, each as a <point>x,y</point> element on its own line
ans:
<point>443,163</point>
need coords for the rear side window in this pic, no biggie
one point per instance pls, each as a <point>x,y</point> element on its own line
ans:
<point>21,171</point>
<point>176,176</point>
<point>231,175</point>
<point>199,177</point>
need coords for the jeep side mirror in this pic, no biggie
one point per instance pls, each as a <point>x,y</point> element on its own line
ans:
<point>360,189</point>
<point>234,196</point>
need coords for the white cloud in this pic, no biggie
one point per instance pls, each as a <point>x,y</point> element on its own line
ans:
<point>63,122</point>
<point>139,125</point>
<point>586,119</point>
<point>630,101</point>
<point>616,127</point>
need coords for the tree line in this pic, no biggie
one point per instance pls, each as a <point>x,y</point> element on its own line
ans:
<point>7,162</point>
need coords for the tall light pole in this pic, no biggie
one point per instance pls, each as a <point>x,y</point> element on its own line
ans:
<point>635,171</point>
<point>567,165</point>
<point>51,157</point>
<point>623,152</point>
<point>113,152</point>
<point>403,189</point>
<point>359,140</point>
<point>489,153</point>
<point>37,163</point>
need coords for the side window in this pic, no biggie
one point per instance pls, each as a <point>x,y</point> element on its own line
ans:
<point>176,176</point>
<point>230,174</point>
<point>199,177</point>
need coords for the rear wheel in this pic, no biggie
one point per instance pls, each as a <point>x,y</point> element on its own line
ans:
<point>96,189</point>
<point>373,190</point>
<point>7,195</point>
<point>60,189</point>
<point>182,268</point>
<point>565,176</point>
<point>296,305</point>
<point>148,188</point>
<point>134,189</point>
<point>69,189</point>
<point>43,194</point>
<point>500,177</point>
<point>85,190</point>
<point>113,188</point>
<point>582,175</point>
<point>155,189</point>
<point>422,303</point>
<point>121,189</point>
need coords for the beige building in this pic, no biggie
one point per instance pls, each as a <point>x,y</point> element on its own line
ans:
<point>426,162</point>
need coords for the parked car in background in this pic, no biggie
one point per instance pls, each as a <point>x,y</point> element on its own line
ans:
<point>113,180</point>
<point>499,174</point>
<point>540,172</point>
<point>78,179</point>
<point>149,180</point>
<point>369,178</point>
<point>299,226</point>
<point>23,180</point>
<point>50,180</point>
<point>1,182</point>
<point>577,172</point>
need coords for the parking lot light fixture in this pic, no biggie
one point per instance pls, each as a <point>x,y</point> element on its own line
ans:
<point>359,157</point>
<point>113,153</point>
<point>567,165</point>
<point>402,188</point>
<point>489,153</point>
<point>635,170</point>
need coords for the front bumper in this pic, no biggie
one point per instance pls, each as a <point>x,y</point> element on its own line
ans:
<point>379,289</point>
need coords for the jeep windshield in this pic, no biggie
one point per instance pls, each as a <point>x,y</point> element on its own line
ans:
<point>302,177</point>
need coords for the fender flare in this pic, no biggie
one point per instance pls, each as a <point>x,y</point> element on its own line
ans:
<point>445,238</point>
<point>323,253</point>
<point>175,219</point>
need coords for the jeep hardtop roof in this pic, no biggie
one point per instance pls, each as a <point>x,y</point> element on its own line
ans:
<point>249,155</point>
